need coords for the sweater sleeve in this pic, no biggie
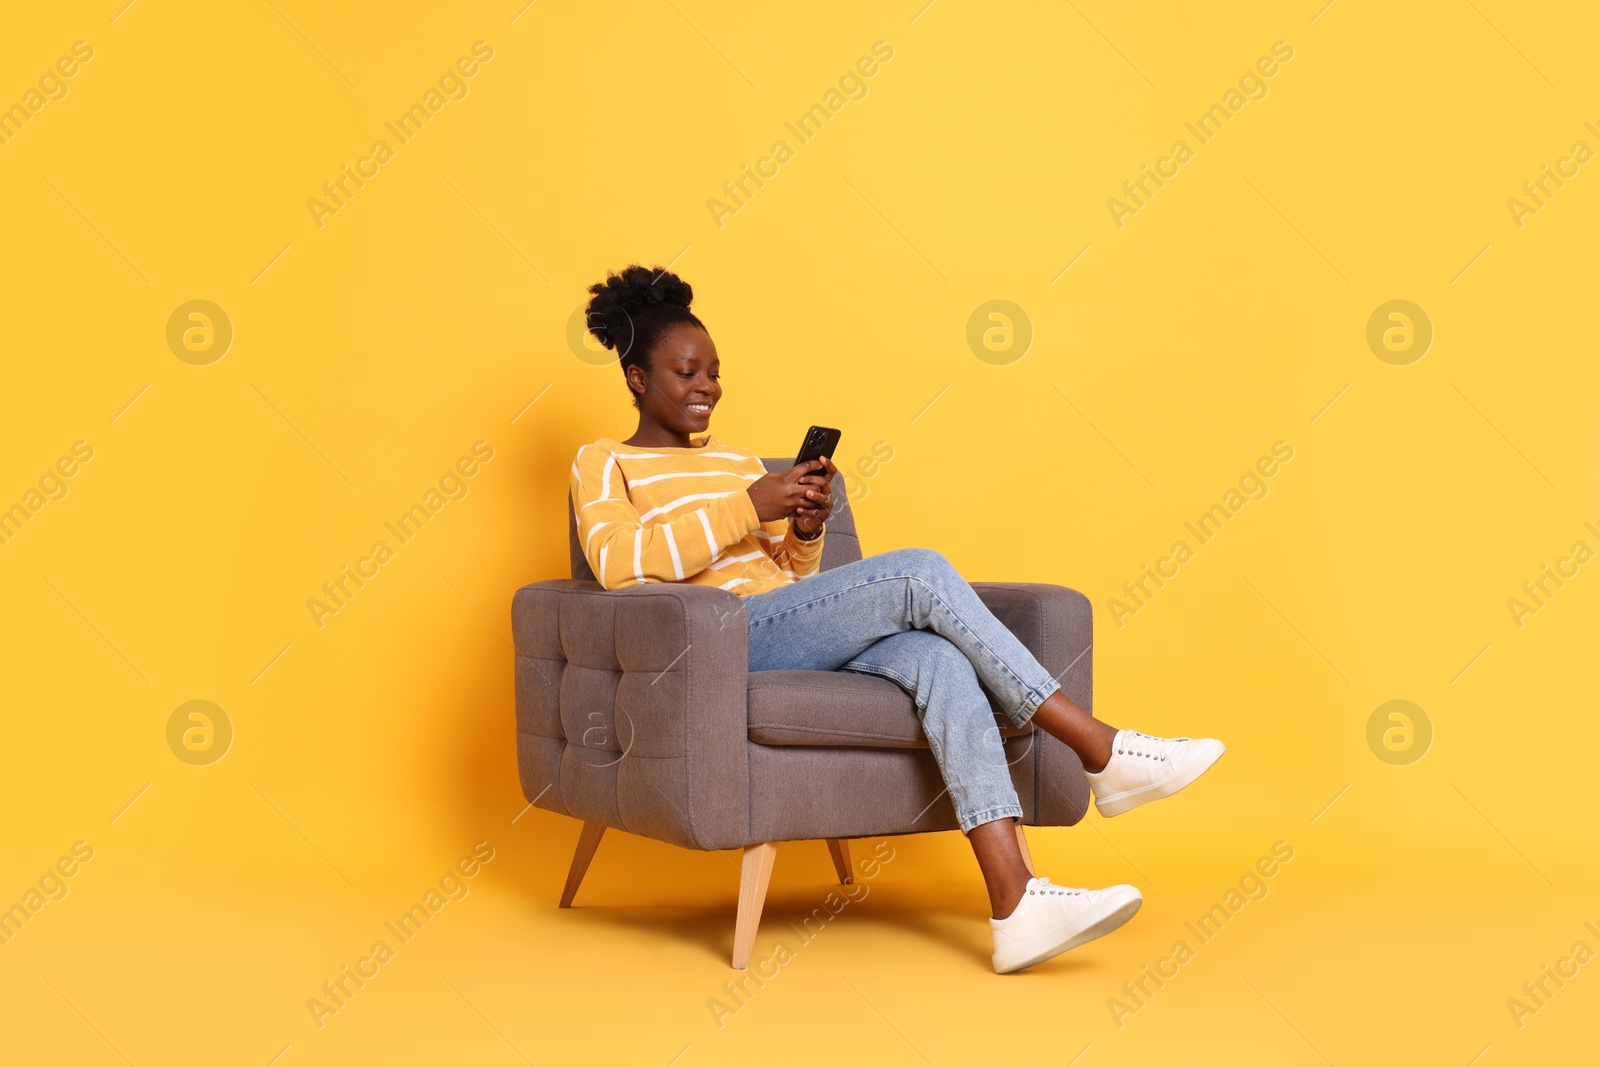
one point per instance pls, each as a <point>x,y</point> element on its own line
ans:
<point>797,557</point>
<point>624,549</point>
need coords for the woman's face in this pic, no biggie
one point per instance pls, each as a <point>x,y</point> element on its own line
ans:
<point>681,386</point>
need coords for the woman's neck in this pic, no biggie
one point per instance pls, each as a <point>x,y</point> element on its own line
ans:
<point>657,436</point>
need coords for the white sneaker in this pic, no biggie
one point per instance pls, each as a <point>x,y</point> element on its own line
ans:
<point>1144,768</point>
<point>1050,919</point>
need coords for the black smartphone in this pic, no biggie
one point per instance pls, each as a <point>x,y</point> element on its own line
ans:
<point>820,441</point>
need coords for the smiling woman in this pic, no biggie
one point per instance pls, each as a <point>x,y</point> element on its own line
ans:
<point>660,507</point>
<point>664,507</point>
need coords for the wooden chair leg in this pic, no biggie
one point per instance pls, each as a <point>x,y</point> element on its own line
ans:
<point>753,878</point>
<point>1022,846</point>
<point>588,841</point>
<point>839,849</point>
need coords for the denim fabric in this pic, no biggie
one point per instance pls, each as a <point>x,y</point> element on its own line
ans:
<point>908,616</point>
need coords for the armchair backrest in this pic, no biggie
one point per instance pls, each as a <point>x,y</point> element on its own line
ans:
<point>841,545</point>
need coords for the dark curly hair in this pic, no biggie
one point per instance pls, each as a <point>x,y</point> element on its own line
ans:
<point>633,308</point>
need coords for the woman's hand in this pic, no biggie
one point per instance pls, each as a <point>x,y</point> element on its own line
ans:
<point>785,494</point>
<point>809,518</point>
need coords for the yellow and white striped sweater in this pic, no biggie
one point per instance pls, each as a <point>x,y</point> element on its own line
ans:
<point>682,515</point>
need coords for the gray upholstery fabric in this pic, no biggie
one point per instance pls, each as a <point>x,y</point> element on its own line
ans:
<point>636,709</point>
<point>631,708</point>
<point>839,708</point>
<point>799,794</point>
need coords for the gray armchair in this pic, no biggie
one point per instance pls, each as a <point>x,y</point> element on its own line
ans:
<point>636,709</point>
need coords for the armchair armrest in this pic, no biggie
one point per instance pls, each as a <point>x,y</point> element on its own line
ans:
<point>1053,622</point>
<point>1056,624</point>
<point>631,707</point>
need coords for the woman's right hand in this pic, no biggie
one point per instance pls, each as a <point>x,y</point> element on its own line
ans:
<point>778,494</point>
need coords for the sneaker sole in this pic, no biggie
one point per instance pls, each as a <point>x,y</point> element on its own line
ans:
<point>1118,803</point>
<point>1050,943</point>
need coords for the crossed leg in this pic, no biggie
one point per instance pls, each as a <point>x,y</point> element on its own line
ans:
<point>965,741</point>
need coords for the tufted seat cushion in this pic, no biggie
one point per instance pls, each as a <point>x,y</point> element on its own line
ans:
<point>837,708</point>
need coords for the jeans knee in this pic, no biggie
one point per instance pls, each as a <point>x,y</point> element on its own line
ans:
<point>924,562</point>
<point>933,652</point>
<point>947,678</point>
<point>945,658</point>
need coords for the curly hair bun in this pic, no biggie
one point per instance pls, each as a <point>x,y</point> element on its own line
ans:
<point>618,301</point>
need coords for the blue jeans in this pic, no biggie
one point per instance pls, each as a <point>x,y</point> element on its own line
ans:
<point>908,616</point>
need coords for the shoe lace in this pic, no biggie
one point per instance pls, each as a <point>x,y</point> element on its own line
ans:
<point>1042,886</point>
<point>1133,743</point>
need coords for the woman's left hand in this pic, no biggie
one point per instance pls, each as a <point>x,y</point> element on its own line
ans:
<point>808,521</point>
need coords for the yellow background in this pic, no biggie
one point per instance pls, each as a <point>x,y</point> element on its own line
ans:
<point>372,753</point>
